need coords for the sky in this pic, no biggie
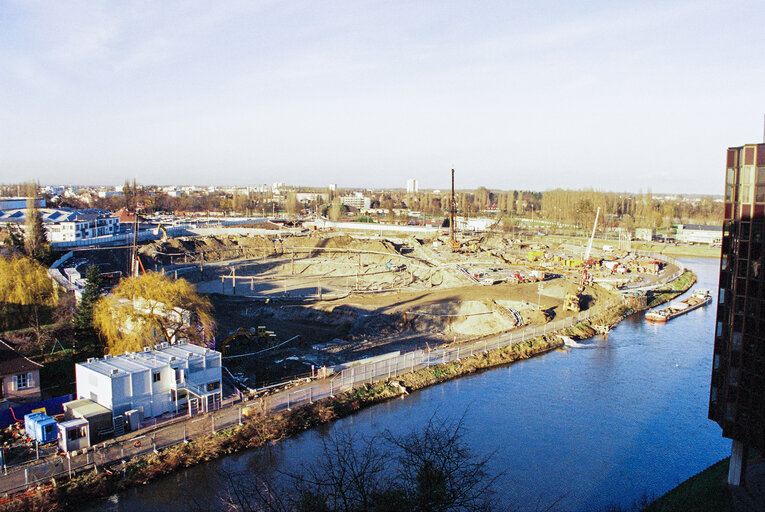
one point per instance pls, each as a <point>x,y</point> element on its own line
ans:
<point>532,95</point>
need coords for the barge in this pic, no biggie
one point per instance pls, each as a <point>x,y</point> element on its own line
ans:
<point>698,299</point>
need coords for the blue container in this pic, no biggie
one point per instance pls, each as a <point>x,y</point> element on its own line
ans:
<point>40,427</point>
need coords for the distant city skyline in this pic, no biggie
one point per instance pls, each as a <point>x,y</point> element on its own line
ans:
<point>525,95</point>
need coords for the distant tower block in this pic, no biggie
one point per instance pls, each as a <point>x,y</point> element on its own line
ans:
<point>412,186</point>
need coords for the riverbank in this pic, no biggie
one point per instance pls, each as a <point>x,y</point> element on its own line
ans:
<point>678,251</point>
<point>258,431</point>
<point>704,492</point>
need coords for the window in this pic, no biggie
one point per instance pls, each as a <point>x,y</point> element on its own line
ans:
<point>746,194</point>
<point>23,381</point>
<point>77,433</point>
<point>212,386</point>
<point>155,377</point>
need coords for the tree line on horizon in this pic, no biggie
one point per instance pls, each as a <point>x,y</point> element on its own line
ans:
<point>564,206</point>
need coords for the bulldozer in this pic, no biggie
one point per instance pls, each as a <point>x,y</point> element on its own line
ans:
<point>251,335</point>
<point>571,301</point>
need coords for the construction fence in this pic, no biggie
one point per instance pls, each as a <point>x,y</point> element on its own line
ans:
<point>383,368</point>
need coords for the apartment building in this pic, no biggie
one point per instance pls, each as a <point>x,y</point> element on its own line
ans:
<point>737,394</point>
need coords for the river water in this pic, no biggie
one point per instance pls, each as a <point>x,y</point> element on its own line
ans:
<point>600,425</point>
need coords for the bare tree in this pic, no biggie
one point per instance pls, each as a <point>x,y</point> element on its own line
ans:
<point>438,472</point>
<point>428,470</point>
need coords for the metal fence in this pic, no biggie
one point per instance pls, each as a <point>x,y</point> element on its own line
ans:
<point>379,370</point>
<point>111,456</point>
<point>664,279</point>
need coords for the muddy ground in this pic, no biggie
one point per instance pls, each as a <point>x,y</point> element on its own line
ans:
<point>348,298</point>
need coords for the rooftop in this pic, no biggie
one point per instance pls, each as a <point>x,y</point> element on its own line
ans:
<point>12,362</point>
<point>161,355</point>
<point>55,215</point>
<point>86,408</point>
<point>701,227</point>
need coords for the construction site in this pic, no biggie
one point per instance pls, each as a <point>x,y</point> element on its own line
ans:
<point>295,302</point>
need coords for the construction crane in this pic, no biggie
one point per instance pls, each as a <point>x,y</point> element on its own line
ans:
<point>571,301</point>
<point>452,210</point>
<point>592,237</point>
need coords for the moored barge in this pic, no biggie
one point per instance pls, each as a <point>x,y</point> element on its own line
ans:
<point>696,300</point>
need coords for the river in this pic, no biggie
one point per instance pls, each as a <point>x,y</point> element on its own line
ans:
<point>600,425</point>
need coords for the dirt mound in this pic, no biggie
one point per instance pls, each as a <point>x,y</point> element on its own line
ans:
<point>374,246</point>
<point>340,242</point>
<point>215,248</point>
<point>460,318</point>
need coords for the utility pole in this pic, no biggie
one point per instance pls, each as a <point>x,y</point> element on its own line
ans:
<point>134,248</point>
<point>451,213</point>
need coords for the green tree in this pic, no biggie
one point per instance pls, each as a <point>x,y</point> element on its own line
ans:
<point>35,242</point>
<point>83,317</point>
<point>144,310</point>
<point>15,238</point>
<point>128,194</point>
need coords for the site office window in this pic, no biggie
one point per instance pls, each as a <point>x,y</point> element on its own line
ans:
<point>77,433</point>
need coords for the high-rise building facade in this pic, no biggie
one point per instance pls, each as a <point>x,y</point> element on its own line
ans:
<point>411,186</point>
<point>737,394</point>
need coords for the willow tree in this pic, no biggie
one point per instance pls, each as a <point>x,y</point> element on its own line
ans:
<point>26,287</point>
<point>144,310</point>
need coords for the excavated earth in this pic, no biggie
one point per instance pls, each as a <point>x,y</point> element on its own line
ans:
<point>429,301</point>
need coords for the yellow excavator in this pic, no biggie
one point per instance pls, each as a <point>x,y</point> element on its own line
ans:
<point>250,334</point>
<point>161,229</point>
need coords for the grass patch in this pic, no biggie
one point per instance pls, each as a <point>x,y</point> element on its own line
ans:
<point>672,289</point>
<point>698,251</point>
<point>705,492</point>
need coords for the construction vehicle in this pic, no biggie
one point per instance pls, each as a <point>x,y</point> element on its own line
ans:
<point>251,335</point>
<point>161,230</point>
<point>571,301</point>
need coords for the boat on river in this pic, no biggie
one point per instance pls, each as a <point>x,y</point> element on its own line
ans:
<point>698,299</point>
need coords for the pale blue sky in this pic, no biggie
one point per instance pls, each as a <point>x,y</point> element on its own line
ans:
<point>529,95</point>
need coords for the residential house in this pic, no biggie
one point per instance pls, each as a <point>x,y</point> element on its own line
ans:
<point>20,377</point>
